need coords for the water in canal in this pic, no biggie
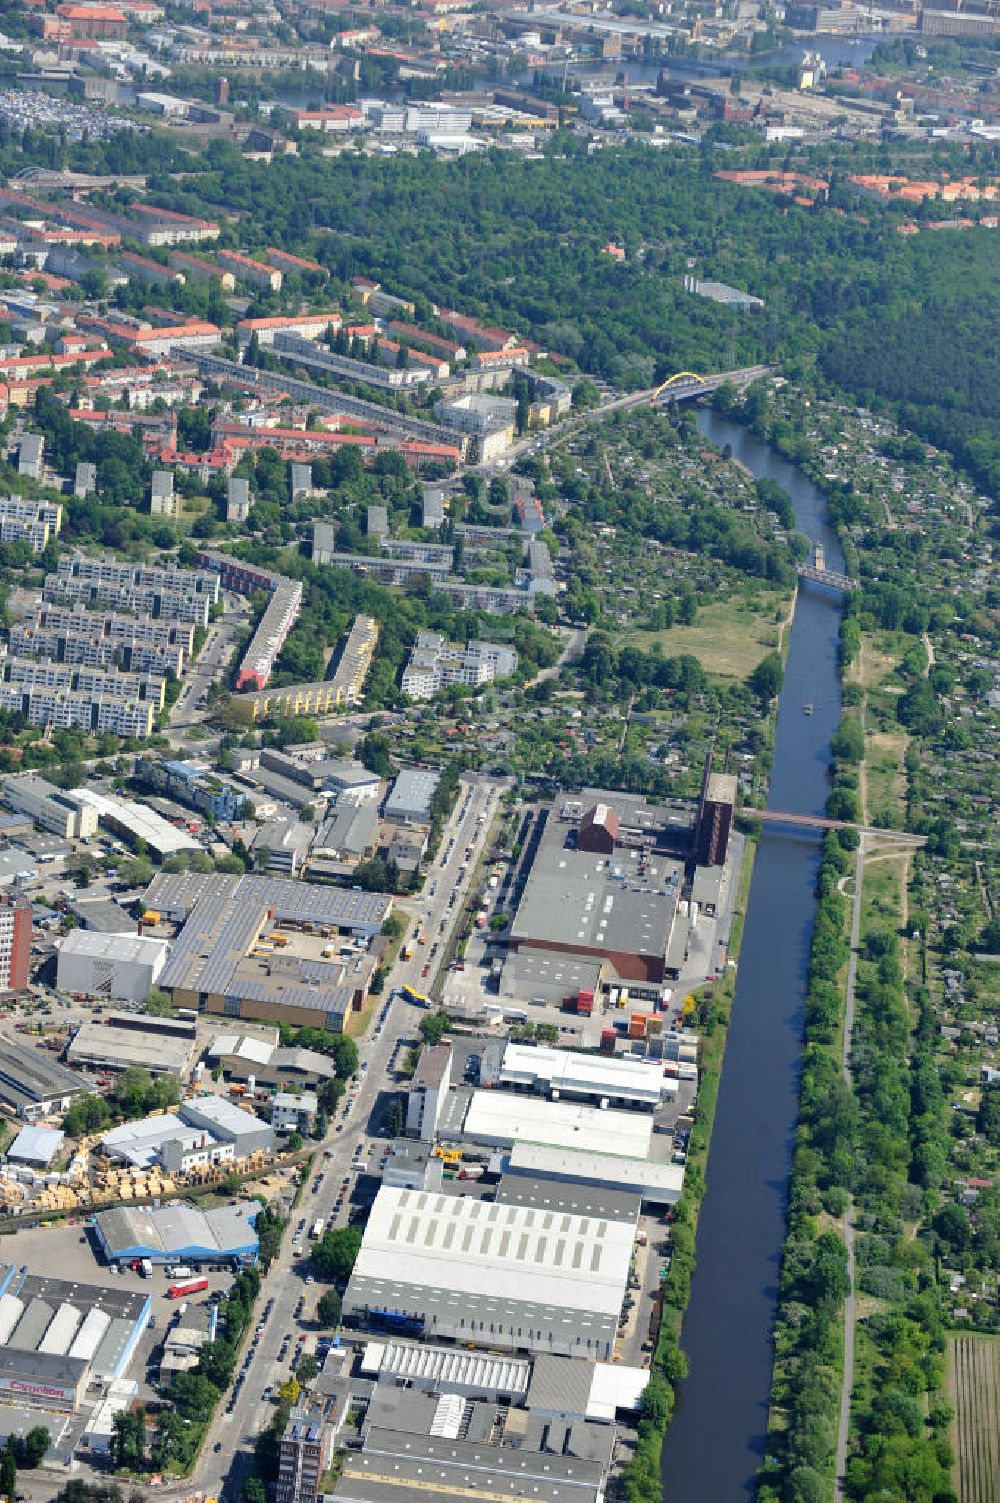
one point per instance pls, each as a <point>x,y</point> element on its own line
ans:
<point>716,1441</point>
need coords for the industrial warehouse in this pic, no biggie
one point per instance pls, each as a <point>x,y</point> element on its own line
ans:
<point>226,959</point>
<point>58,1337</point>
<point>32,1086</point>
<point>603,886</point>
<point>126,1040</point>
<point>168,1234</point>
<point>110,965</point>
<point>208,1130</point>
<point>506,1277</point>
<point>556,1114</point>
<point>603,902</point>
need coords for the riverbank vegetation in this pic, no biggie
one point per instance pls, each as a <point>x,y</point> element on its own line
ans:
<point>814,1281</point>
<point>641,1477</point>
<point>918,747</point>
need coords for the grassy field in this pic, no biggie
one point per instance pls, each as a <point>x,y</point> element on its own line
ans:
<point>974,1391</point>
<point>880,655</point>
<point>885,770</point>
<point>729,638</point>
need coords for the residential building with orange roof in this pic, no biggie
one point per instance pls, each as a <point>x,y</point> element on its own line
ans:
<point>285,261</point>
<point>915,191</point>
<point>245,269</point>
<point>414,334</point>
<point>775,181</point>
<point>26,365</point>
<point>103,22</point>
<point>307,325</point>
<point>486,360</point>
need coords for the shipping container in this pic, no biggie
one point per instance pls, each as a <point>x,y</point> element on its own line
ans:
<point>608,1040</point>
<point>637,1026</point>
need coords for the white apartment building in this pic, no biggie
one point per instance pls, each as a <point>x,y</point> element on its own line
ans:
<point>28,673</point>
<point>435,663</point>
<point>163,501</point>
<point>181,595</point>
<point>32,522</point>
<point>68,710</point>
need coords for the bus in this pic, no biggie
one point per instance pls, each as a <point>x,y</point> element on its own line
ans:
<point>190,1286</point>
<point>410,994</point>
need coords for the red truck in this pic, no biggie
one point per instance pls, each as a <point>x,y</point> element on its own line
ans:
<point>189,1286</point>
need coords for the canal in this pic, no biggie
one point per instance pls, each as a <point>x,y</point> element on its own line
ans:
<point>716,1440</point>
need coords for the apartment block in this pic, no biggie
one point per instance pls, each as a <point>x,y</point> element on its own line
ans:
<point>15,944</point>
<point>402,571</point>
<point>32,522</point>
<point>306,1453</point>
<point>31,456</point>
<point>181,595</point>
<point>191,785</point>
<point>305,325</point>
<point>69,710</point>
<point>280,613</point>
<point>435,663</point>
<point>344,687</point>
<point>237,499</point>
<point>29,673</point>
<point>257,273</point>
<point>162,501</point>
<point>103,639</point>
<point>295,350</point>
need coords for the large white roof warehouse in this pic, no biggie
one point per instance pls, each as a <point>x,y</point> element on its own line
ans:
<point>136,821</point>
<point>507,1277</point>
<point>498,1119</point>
<point>565,1072</point>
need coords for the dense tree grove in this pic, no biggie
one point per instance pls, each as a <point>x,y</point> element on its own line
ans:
<point>896,317</point>
<point>134,1093</point>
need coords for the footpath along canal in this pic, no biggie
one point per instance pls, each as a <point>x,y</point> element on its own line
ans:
<point>716,1439</point>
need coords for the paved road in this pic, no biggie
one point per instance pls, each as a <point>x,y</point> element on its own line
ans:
<point>208,667</point>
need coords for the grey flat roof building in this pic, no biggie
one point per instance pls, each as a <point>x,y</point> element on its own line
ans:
<point>437,1447</point>
<point>32,1084</point>
<point>615,902</point>
<point>117,1048</point>
<point>224,917</point>
<point>566,1197</point>
<point>410,799</point>
<point>165,1233</point>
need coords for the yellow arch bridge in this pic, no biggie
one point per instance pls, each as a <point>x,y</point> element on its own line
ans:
<point>679,377</point>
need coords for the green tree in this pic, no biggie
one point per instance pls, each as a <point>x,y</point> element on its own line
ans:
<point>767,678</point>
<point>433,1028</point>
<point>8,1473</point>
<point>335,1253</point>
<point>328,1308</point>
<point>36,1443</point>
